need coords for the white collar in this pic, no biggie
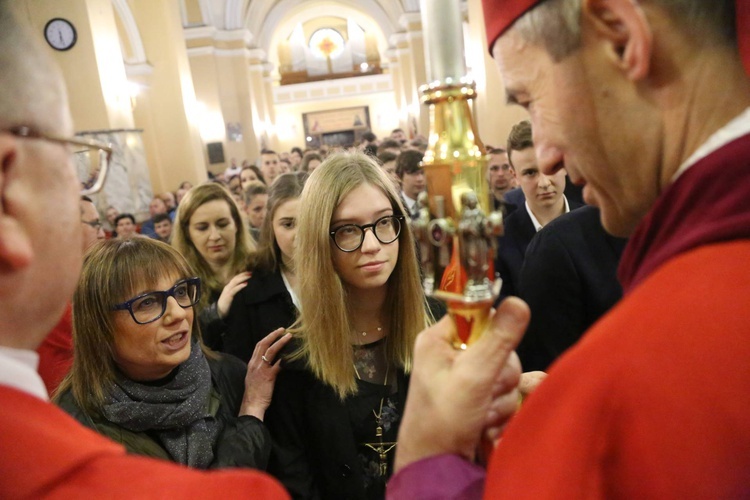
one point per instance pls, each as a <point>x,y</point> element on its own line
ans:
<point>295,299</point>
<point>534,220</point>
<point>411,202</point>
<point>18,370</point>
<point>735,129</point>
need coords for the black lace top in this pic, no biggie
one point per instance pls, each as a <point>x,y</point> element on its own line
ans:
<point>371,366</point>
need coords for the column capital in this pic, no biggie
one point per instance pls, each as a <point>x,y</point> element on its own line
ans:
<point>411,21</point>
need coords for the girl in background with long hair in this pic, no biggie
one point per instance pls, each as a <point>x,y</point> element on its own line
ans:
<point>268,301</point>
<point>210,233</point>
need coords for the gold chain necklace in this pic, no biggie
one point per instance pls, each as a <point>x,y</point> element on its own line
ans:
<point>380,447</point>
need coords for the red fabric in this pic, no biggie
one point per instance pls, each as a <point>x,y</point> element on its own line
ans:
<point>56,352</point>
<point>653,402</point>
<point>743,31</point>
<point>499,15</point>
<point>47,454</point>
<point>710,202</point>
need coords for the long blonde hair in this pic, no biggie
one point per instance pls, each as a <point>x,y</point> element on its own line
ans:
<point>113,271</point>
<point>196,197</point>
<point>325,325</point>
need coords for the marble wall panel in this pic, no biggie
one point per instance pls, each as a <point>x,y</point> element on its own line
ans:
<point>128,186</point>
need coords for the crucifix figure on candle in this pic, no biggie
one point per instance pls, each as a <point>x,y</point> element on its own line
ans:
<point>461,223</point>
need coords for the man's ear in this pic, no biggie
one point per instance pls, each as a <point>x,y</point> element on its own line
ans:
<point>623,24</point>
<point>15,245</point>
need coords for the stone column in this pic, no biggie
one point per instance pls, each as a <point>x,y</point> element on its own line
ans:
<point>394,67</point>
<point>412,23</point>
<point>166,108</point>
<point>406,83</point>
<point>262,121</point>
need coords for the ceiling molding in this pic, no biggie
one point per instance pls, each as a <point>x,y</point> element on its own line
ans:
<point>143,69</point>
<point>332,89</point>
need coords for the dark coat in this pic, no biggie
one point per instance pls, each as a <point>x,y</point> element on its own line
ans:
<point>511,250</point>
<point>212,326</point>
<point>314,451</point>
<point>242,442</point>
<point>569,279</point>
<point>514,199</point>
<point>258,309</point>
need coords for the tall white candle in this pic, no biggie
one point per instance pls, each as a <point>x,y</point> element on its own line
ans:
<point>442,28</point>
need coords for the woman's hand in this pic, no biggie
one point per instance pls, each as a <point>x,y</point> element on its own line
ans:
<point>261,373</point>
<point>230,290</point>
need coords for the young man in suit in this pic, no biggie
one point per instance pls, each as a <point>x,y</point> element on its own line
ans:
<point>411,174</point>
<point>502,179</point>
<point>545,201</point>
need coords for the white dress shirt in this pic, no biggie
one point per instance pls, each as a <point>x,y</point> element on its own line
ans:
<point>411,205</point>
<point>733,130</point>
<point>18,370</point>
<point>538,226</point>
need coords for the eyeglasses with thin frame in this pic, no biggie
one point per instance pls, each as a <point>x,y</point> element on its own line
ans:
<point>95,224</point>
<point>92,157</point>
<point>350,237</point>
<point>148,307</point>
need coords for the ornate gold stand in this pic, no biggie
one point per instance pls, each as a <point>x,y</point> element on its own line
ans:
<point>457,228</point>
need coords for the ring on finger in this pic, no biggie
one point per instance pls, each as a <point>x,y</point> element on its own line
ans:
<point>264,358</point>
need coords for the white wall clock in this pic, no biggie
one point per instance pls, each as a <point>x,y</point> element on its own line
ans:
<point>60,34</point>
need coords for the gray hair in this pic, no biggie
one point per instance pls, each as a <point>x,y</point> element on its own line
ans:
<point>33,90</point>
<point>555,24</point>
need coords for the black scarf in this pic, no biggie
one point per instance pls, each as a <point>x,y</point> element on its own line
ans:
<point>177,411</point>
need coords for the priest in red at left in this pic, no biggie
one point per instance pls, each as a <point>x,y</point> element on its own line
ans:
<point>47,454</point>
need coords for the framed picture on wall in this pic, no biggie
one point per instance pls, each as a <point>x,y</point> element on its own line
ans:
<point>337,127</point>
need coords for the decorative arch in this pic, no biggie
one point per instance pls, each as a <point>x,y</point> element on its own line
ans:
<point>131,31</point>
<point>281,23</point>
<point>267,18</point>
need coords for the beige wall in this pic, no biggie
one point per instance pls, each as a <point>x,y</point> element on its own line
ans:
<point>94,72</point>
<point>186,102</point>
<point>494,118</point>
<point>167,108</point>
<point>99,89</point>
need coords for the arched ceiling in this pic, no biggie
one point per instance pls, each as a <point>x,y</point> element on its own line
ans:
<point>269,21</point>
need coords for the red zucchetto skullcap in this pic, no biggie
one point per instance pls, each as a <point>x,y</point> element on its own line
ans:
<point>743,31</point>
<point>499,15</point>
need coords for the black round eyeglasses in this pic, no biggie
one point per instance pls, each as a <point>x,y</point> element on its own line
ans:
<point>350,237</point>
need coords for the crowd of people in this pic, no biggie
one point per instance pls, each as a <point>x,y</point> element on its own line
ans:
<point>272,322</point>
